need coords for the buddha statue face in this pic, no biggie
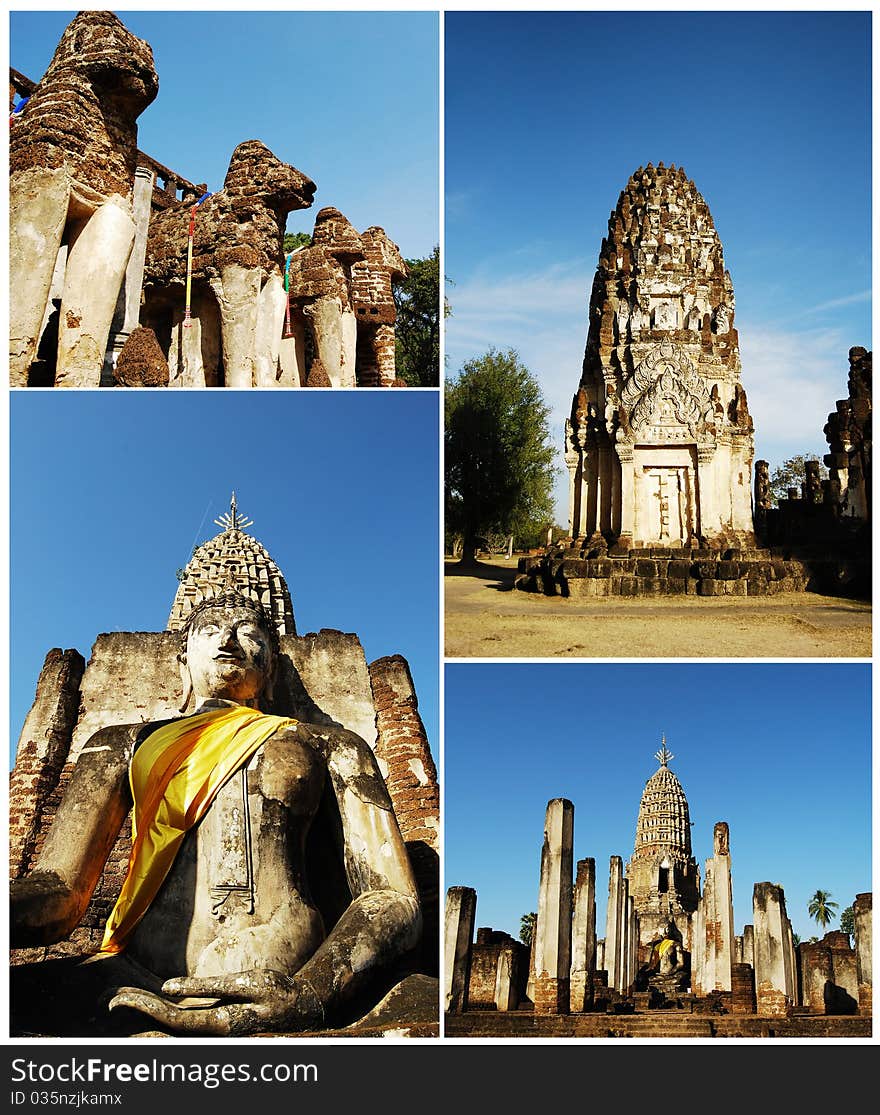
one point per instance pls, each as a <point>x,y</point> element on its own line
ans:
<point>229,655</point>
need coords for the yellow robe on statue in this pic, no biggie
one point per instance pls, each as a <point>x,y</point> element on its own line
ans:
<point>175,775</point>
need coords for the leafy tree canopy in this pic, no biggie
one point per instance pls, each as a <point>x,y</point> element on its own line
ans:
<point>294,240</point>
<point>499,459</point>
<point>792,473</point>
<point>527,928</point>
<point>417,331</point>
<point>848,921</point>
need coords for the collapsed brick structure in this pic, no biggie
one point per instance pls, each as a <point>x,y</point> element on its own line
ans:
<point>233,335</point>
<point>99,245</point>
<point>342,306</point>
<point>322,677</point>
<point>73,157</point>
<point>669,950</point>
<point>827,523</point>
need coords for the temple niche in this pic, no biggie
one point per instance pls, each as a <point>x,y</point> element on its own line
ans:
<point>671,963</point>
<point>321,679</point>
<point>659,444</point>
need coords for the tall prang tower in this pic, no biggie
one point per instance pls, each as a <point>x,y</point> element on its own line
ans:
<point>659,445</point>
<point>663,876</point>
<point>233,559</point>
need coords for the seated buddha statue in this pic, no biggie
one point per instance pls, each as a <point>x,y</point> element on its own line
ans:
<point>268,885</point>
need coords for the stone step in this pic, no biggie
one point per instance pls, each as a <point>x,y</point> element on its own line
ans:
<point>655,1024</point>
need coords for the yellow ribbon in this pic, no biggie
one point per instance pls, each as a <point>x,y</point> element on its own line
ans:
<point>175,775</point>
<point>665,945</point>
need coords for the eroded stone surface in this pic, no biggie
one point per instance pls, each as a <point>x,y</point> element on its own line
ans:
<point>659,444</point>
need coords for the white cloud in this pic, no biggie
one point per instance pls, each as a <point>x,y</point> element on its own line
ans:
<point>792,376</point>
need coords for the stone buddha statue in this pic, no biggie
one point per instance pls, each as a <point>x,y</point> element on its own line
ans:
<point>268,888</point>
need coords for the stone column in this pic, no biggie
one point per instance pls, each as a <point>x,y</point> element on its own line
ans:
<point>583,944</point>
<point>96,264</point>
<point>571,463</point>
<point>238,323</point>
<point>614,921</point>
<point>271,305</point>
<point>461,912</point>
<point>703,955</point>
<point>43,749</point>
<point>506,997</point>
<point>863,925</point>
<point>632,944</point>
<point>772,962</point>
<point>723,911</point>
<point>627,491</point>
<point>706,504</point>
<point>748,945</point>
<point>553,928</point>
<point>738,950</point>
<point>817,970</point>
<point>600,955</point>
<point>128,305</point>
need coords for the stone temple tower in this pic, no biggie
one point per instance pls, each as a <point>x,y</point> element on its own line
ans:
<point>663,875</point>
<point>233,559</point>
<point>659,445</point>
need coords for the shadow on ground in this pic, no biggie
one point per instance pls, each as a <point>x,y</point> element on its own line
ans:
<point>496,576</point>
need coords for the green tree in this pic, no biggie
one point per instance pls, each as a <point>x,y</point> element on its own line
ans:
<point>792,473</point>
<point>821,909</point>
<point>848,921</point>
<point>499,459</point>
<point>527,928</point>
<point>294,240</point>
<point>417,331</point>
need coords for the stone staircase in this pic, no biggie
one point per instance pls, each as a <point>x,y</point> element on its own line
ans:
<point>661,1024</point>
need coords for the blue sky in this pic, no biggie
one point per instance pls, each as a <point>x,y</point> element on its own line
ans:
<point>350,98</point>
<point>110,491</point>
<point>547,115</point>
<point>781,752</point>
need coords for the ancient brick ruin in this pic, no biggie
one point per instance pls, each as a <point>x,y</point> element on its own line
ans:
<point>323,677</point>
<point>100,238</point>
<point>670,964</point>
<point>659,444</point>
<point>827,522</point>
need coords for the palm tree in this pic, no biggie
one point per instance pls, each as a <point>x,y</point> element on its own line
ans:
<point>527,928</point>
<point>821,909</point>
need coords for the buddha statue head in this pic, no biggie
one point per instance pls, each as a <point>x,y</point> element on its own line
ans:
<point>229,652</point>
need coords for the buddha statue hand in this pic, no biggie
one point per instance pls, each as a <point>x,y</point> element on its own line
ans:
<point>257,1001</point>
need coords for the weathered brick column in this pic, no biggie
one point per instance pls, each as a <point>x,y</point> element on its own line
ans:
<point>583,936</point>
<point>506,997</point>
<point>553,927</point>
<point>774,990</point>
<point>461,911</point>
<point>742,987</point>
<point>42,752</point>
<point>411,776</point>
<point>863,924</point>
<point>631,944</point>
<point>614,929</point>
<point>817,971</point>
<point>715,923</point>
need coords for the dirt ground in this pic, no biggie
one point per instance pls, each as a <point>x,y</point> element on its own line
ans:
<point>487,618</point>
